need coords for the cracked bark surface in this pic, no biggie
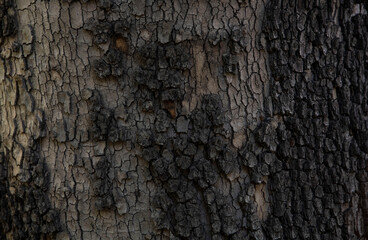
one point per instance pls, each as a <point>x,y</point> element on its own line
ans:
<point>232,119</point>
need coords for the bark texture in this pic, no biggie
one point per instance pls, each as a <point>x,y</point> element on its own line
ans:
<point>140,119</point>
<point>318,59</point>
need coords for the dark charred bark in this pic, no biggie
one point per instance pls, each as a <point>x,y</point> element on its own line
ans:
<point>318,60</point>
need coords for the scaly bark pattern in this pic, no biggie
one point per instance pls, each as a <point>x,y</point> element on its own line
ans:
<point>25,208</point>
<point>231,119</point>
<point>318,55</point>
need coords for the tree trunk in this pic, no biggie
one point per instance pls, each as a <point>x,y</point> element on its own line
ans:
<point>231,119</point>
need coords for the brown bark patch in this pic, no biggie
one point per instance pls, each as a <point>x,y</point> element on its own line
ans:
<point>170,106</point>
<point>122,44</point>
<point>261,198</point>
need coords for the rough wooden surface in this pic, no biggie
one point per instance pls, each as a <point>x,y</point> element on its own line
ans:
<point>232,119</point>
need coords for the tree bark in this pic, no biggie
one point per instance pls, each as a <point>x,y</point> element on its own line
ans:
<point>231,119</point>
